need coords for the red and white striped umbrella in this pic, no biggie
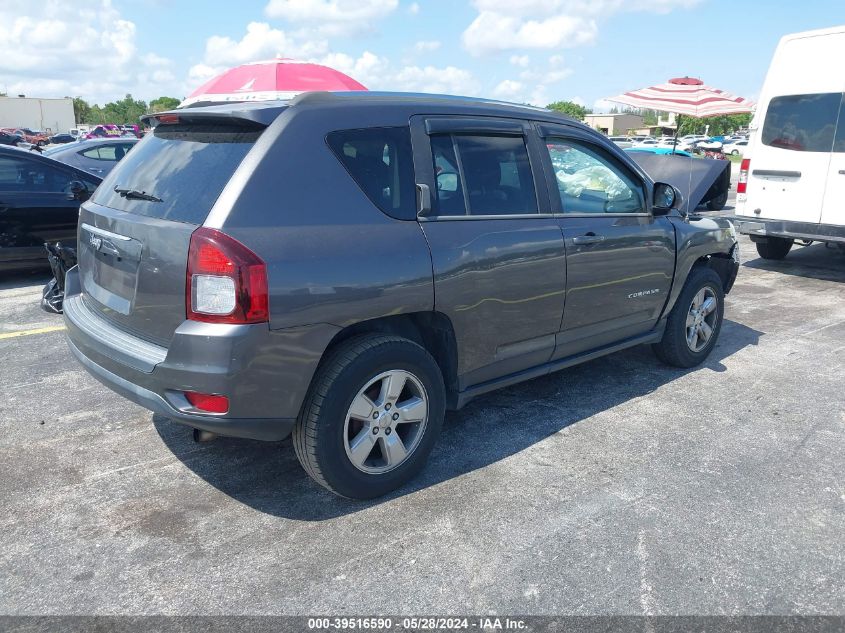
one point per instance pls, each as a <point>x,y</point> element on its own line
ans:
<point>688,96</point>
<point>270,80</point>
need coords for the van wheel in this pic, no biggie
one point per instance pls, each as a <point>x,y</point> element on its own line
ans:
<point>717,204</point>
<point>773,247</point>
<point>735,152</point>
<point>694,324</point>
<point>371,417</point>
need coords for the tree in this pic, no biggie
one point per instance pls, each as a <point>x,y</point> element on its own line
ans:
<point>718,125</point>
<point>81,110</point>
<point>163,104</point>
<point>569,108</point>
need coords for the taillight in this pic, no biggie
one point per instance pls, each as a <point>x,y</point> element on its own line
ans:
<point>208,402</point>
<point>226,282</point>
<point>742,185</point>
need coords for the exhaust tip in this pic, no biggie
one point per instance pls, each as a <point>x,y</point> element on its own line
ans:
<point>201,436</point>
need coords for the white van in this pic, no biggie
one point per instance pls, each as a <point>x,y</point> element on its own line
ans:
<point>792,179</point>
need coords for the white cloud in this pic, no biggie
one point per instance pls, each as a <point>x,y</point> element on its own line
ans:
<point>509,90</point>
<point>332,17</point>
<point>426,46</point>
<point>603,105</point>
<point>448,80</point>
<point>414,8</point>
<point>503,25</point>
<point>520,60</point>
<point>83,48</point>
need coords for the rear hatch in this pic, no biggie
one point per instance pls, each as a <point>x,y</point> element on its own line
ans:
<point>135,232</point>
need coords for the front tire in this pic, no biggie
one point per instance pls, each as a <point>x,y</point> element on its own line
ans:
<point>717,204</point>
<point>693,326</point>
<point>371,417</point>
<point>774,247</point>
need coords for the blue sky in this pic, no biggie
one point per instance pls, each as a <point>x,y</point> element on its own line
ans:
<point>523,50</point>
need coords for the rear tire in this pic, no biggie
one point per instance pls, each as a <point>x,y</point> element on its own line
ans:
<point>693,326</point>
<point>357,434</point>
<point>774,247</point>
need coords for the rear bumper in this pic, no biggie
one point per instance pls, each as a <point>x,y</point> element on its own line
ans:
<point>257,429</point>
<point>264,373</point>
<point>761,228</point>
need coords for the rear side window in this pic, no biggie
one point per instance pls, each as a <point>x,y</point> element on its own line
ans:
<point>380,161</point>
<point>483,175</point>
<point>182,168</point>
<point>802,123</point>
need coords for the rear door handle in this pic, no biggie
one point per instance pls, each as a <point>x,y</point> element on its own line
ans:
<point>589,238</point>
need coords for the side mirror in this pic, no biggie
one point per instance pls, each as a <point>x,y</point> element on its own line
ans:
<point>447,182</point>
<point>666,198</point>
<point>78,191</point>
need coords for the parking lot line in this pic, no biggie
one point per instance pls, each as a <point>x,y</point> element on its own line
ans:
<point>40,330</point>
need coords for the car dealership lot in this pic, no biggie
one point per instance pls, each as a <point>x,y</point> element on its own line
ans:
<point>619,486</point>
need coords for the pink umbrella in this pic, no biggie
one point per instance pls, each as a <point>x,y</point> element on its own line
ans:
<point>270,80</point>
<point>685,95</point>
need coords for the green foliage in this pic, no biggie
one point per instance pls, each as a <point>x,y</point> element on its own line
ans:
<point>162,104</point>
<point>569,108</point>
<point>719,125</point>
<point>81,110</point>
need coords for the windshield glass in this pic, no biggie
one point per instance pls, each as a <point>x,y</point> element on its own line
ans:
<point>180,168</point>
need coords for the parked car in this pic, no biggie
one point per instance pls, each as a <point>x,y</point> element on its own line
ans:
<point>39,202</point>
<point>658,150</point>
<point>343,286</point>
<point>710,145</point>
<point>8,138</point>
<point>797,186</point>
<point>647,142</point>
<point>680,145</point>
<point>32,136</point>
<point>692,138</point>
<point>735,148</point>
<point>97,156</point>
<point>621,142</point>
<point>104,131</point>
<point>62,138</point>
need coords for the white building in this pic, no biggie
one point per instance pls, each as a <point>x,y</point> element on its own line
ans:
<point>49,115</point>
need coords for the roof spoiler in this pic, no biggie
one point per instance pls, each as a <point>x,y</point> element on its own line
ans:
<point>244,113</point>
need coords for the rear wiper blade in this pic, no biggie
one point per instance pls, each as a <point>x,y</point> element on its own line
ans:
<point>133,194</point>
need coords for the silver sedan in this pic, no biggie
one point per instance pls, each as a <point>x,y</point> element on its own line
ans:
<point>97,156</point>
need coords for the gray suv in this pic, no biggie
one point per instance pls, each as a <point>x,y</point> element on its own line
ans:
<point>346,267</point>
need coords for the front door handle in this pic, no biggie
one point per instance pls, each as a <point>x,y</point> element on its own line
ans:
<point>842,172</point>
<point>589,238</point>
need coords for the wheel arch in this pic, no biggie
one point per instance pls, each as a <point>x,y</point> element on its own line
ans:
<point>431,330</point>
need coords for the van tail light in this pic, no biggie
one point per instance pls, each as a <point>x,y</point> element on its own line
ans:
<point>226,282</point>
<point>208,402</point>
<point>742,185</point>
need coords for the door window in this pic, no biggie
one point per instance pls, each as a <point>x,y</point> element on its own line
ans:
<point>590,183</point>
<point>802,123</point>
<point>20,174</point>
<point>482,175</point>
<point>113,152</point>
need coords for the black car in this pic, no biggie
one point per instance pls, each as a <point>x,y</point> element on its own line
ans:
<point>39,202</point>
<point>62,138</point>
<point>7,138</point>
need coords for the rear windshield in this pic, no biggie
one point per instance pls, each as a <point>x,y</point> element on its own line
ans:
<point>177,172</point>
<point>802,123</point>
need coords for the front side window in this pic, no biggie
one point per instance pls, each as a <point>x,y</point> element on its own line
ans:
<point>380,161</point>
<point>483,175</point>
<point>590,183</point>
<point>802,123</point>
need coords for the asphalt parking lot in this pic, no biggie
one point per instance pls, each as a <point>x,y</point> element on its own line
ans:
<point>620,486</point>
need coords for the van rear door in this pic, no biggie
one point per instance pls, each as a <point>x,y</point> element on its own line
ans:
<point>796,120</point>
<point>833,208</point>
